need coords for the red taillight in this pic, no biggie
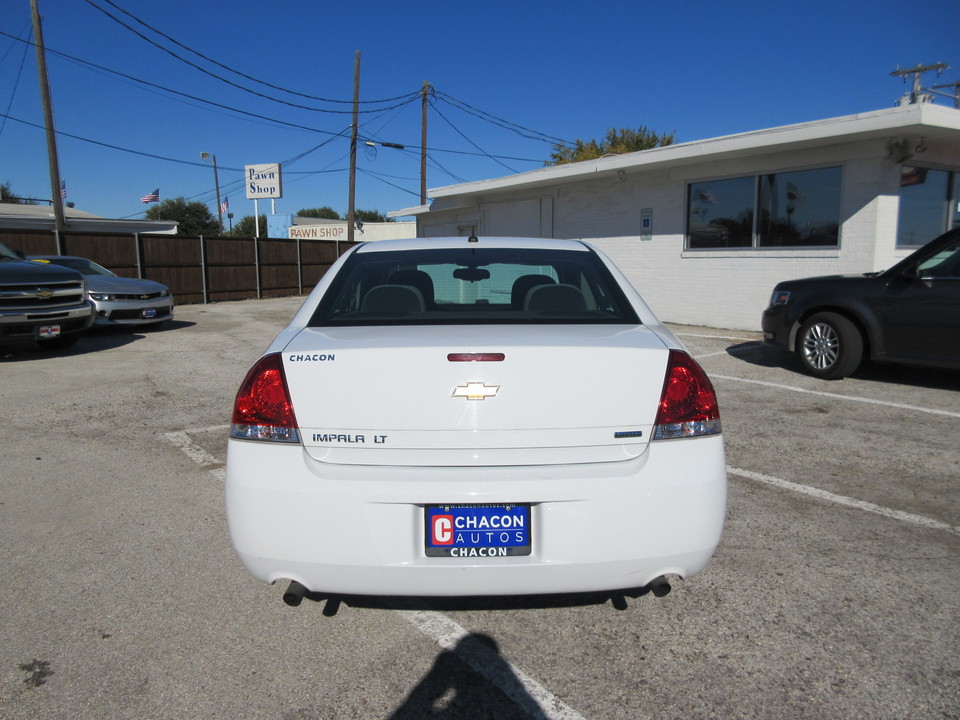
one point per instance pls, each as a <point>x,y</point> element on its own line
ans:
<point>263,410</point>
<point>688,404</point>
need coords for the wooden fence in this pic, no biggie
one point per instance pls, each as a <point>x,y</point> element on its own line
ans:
<point>196,269</point>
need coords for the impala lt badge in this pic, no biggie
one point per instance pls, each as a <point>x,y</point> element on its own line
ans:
<point>476,391</point>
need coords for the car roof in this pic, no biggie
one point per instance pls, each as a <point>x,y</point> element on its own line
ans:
<point>446,243</point>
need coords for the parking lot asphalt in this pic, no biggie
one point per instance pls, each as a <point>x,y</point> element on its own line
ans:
<point>835,592</point>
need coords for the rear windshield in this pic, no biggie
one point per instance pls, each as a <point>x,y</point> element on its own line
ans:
<point>473,286</point>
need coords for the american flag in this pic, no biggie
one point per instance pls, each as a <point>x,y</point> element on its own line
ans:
<point>225,205</point>
<point>63,188</point>
<point>151,197</point>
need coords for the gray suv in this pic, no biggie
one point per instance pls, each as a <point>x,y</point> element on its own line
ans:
<point>45,303</point>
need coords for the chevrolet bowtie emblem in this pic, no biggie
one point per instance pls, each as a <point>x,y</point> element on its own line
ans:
<point>476,391</point>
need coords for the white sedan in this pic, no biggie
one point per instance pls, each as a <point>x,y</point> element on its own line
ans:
<point>464,416</point>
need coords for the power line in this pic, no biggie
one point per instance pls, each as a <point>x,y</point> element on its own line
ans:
<point>238,72</point>
<point>380,178</point>
<point>219,77</point>
<point>195,98</point>
<point>459,132</point>
<point>16,84</point>
<point>112,147</point>
<point>500,122</point>
<point>276,121</point>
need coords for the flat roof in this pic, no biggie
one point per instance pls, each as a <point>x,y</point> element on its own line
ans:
<point>18,216</point>
<point>924,119</point>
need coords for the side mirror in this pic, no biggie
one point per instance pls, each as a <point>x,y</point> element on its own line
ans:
<point>910,273</point>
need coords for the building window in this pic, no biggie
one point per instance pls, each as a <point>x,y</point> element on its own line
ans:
<point>799,209</point>
<point>929,205</point>
<point>720,213</point>
<point>792,209</point>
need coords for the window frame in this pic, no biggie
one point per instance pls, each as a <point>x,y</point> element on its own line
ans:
<point>950,205</point>
<point>340,305</point>
<point>756,237</point>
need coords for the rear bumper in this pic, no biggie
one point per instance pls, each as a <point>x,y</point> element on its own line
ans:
<point>360,529</point>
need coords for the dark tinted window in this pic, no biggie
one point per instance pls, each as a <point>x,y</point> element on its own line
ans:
<point>925,205</point>
<point>720,213</point>
<point>789,209</point>
<point>473,286</point>
<point>799,209</point>
<point>943,264</point>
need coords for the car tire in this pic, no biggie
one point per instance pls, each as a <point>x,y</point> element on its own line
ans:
<point>830,346</point>
<point>59,343</point>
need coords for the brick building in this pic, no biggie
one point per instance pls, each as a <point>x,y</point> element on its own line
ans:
<point>705,229</point>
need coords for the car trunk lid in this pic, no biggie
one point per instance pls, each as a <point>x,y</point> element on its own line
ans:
<point>401,396</point>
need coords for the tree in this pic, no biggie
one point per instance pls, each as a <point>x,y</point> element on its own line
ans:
<point>371,216</point>
<point>325,212</point>
<point>615,142</point>
<point>245,228</point>
<point>194,218</point>
<point>7,195</point>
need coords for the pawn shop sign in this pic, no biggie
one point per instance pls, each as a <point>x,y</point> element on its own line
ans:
<point>263,181</point>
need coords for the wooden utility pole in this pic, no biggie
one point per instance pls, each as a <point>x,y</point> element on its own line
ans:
<point>916,72</point>
<point>423,142</point>
<point>56,188</point>
<point>351,212</point>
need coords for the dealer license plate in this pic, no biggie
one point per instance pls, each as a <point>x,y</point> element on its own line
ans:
<point>48,331</point>
<point>477,530</point>
<point>148,313</point>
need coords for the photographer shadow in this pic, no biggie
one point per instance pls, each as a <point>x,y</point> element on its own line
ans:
<point>458,687</point>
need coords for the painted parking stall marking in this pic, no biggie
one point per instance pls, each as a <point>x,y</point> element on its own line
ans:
<point>184,440</point>
<point>837,396</point>
<point>808,490</point>
<point>920,520</point>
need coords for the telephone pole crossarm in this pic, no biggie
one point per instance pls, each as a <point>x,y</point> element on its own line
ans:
<point>916,72</point>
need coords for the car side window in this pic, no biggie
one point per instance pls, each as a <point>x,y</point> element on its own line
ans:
<point>945,264</point>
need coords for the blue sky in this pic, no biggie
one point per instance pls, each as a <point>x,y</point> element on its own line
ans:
<point>549,71</point>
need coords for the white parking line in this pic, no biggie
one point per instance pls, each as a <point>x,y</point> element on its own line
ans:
<point>534,699</point>
<point>713,354</point>
<point>836,396</point>
<point>183,440</point>
<point>920,520</point>
<point>717,337</point>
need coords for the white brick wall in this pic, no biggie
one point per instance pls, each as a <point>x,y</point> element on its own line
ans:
<point>715,288</point>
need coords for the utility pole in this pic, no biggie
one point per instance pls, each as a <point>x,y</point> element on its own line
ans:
<point>916,72</point>
<point>427,88</point>
<point>955,94</point>
<point>216,184</point>
<point>60,222</point>
<point>351,212</point>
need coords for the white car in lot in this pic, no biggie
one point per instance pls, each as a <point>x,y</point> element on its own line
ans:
<point>464,416</point>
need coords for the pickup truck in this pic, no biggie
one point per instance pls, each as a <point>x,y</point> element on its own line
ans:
<point>45,303</point>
